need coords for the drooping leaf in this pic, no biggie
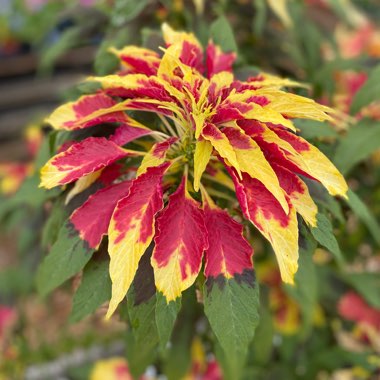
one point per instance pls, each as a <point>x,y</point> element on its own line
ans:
<point>177,257</point>
<point>368,93</point>
<point>67,257</point>
<point>94,290</point>
<point>231,298</point>
<point>166,316</point>
<point>231,306</point>
<point>179,244</point>
<point>324,235</point>
<point>178,357</point>
<point>131,230</point>
<point>143,339</point>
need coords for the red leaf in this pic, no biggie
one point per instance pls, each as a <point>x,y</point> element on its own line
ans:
<point>179,244</point>
<point>91,220</point>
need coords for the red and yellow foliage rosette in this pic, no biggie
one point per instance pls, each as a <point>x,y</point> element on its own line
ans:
<point>211,129</point>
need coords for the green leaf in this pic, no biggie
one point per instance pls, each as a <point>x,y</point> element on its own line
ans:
<point>231,306</point>
<point>166,315</point>
<point>223,35</point>
<point>261,14</point>
<point>67,257</point>
<point>311,129</point>
<point>262,345</point>
<point>94,290</point>
<point>15,281</point>
<point>369,92</point>
<point>177,359</point>
<point>367,284</point>
<point>324,235</point>
<point>364,214</point>
<point>53,224</point>
<point>106,62</point>
<point>143,338</point>
<point>127,10</point>
<point>305,291</point>
<point>67,39</point>
<point>359,143</point>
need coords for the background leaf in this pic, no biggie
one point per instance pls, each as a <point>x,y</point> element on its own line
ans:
<point>364,214</point>
<point>223,35</point>
<point>67,257</point>
<point>94,290</point>
<point>324,235</point>
<point>143,338</point>
<point>361,141</point>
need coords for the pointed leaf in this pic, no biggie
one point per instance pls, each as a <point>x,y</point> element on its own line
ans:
<point>229,253</point>
<point>262,209</point>
<point>131,230</point>
<point>223,35</point>
<point>166,316</point>
<point>298,193</point>
<point>315,163</point>
<point>231,293</point>
<point>79,160</point>
<point>248,152</point>
<point>179,244</point>
<point>323,233</point>
<point>231,306</point>
<point>202,154</point>
<point>156,156</point>
<point>221,144</point>
<point>141,310</point>
<point>94,290</point>
<point>67,257</point>
<point>92,219</point>
<point>87,111</point>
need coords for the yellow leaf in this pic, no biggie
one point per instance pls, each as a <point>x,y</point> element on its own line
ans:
<point>203,150</point>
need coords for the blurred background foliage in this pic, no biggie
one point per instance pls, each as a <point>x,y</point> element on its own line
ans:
<point>328,326</point>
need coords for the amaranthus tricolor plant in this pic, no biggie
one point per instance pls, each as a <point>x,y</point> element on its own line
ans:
<point>167,181</point>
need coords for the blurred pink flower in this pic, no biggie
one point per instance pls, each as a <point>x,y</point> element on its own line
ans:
<point>354,308</point>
